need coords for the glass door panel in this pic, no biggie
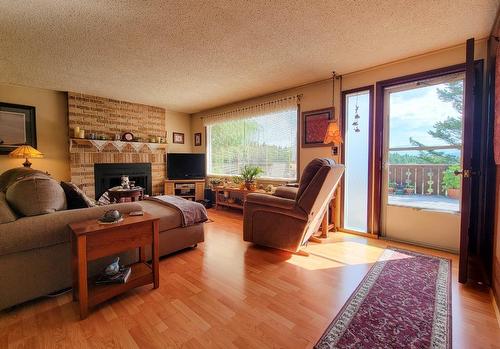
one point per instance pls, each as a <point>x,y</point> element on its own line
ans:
<point>421,189</point>
<point>357,114</point>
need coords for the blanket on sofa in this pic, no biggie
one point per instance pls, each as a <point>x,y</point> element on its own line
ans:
<point>191,212</point>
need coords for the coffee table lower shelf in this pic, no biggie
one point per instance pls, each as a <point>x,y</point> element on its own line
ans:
<point>140,275</point>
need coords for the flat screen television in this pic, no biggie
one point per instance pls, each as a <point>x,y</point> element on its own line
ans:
<point>186,166</point>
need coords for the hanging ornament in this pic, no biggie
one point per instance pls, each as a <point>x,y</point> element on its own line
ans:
<point>356,117</point>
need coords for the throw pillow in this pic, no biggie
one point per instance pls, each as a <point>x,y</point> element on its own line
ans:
<point>6,213</point>
<point>13,175</point>
<point>36,195</point>
<point>75,197</point>
<point>104,199</point>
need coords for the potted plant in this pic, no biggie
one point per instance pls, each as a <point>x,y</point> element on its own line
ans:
<point>400,189</point>
<point>392,188</point>
<point>215,182</point>
<point>249,173</point>
<point>451,182</point>
<point>409,189</point>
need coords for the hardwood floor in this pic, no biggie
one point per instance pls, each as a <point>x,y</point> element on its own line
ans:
<point>230,294</point>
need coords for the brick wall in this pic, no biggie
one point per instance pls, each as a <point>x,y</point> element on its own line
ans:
<point>105,116</point>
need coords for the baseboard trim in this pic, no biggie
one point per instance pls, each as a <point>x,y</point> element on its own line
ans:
<point>495,306</point>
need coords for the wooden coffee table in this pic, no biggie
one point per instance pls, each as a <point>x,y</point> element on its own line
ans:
<point>91,240</point>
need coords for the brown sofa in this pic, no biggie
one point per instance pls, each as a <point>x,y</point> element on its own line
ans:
<point>35,250</point>
<point>288,218</point>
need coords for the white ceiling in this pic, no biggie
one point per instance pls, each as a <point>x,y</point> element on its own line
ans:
<point>192,55</point>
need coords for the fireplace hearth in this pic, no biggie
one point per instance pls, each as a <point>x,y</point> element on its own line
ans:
<point>109,175</point>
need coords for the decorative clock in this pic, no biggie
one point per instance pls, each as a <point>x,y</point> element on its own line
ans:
<point>128,137</point>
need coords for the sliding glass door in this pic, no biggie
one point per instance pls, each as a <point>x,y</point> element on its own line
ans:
<point>358,106</point>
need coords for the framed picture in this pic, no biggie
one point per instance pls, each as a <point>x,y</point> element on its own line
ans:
<point>178,138</point>
<point>314,125</point>
<point>197,139</point>
<point>17,126</point>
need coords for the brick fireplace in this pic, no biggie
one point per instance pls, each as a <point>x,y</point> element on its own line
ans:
<point>104,116</point>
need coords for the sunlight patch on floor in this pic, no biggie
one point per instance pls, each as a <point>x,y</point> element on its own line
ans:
<point>337,254</point>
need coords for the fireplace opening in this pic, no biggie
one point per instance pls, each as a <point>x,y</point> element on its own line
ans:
<point>109,175</point>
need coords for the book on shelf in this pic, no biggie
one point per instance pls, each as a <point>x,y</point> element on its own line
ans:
<point>120,277</point>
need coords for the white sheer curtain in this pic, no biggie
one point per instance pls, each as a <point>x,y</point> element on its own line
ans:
<point>247,112</point>
<point>263,135</point>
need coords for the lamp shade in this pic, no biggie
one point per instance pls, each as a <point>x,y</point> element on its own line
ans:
<point>332,134</point>
<point>25,152</point>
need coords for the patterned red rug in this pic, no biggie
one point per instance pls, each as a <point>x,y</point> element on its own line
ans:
<point>403,302</point>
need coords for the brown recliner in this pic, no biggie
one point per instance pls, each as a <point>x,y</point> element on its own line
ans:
<point>288,218</point>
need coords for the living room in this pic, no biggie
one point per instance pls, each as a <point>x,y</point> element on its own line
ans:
<point>291,191</point>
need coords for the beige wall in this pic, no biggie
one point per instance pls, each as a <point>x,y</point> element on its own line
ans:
<point>51,128</point>
<point>179,122</point>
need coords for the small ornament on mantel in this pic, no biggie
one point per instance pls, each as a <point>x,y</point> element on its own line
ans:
<point>76,132</point>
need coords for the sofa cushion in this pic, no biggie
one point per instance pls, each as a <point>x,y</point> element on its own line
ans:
<point>286,192</point>
<point>36,195</point>
<point>15,174</point>
<point>6,213</point>
<point>75,197</point>
<point>28,233</point>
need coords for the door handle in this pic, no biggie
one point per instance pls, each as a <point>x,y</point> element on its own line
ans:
<point>465,173</point>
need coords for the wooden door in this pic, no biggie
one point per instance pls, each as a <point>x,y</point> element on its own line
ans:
<point>468,171</point>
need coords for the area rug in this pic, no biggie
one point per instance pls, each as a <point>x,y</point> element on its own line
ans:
<point>403,302</point>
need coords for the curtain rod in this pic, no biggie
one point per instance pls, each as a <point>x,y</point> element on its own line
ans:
<point>298,97</point>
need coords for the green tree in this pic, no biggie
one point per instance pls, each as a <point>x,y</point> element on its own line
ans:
<point>453,92</point>
<point>449,130</point>
<point>433,156</point>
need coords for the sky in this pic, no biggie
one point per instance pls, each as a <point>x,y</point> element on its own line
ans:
<point>414,112</point>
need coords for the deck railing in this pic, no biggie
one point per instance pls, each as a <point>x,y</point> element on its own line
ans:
<point>425,179</point>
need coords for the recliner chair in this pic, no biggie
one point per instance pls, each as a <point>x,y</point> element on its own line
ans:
<point>288,218</point>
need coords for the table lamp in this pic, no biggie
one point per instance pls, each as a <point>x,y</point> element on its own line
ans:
<point>333,136</point>
<point>26,152</point>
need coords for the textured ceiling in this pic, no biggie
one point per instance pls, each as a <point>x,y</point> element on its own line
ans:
<point>193,55</point>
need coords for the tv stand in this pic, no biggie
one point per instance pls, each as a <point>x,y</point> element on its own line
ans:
<point>191,189</point>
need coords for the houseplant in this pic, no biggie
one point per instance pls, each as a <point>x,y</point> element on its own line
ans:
<point>249,173</point>
<point>409,189</point>
<point>451,182</point>
<point>215,182</point>
<point>400,189</point>
<point>391,188</point>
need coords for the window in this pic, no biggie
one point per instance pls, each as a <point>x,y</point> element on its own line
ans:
<point>267,139</point>
<point>357,113</point>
